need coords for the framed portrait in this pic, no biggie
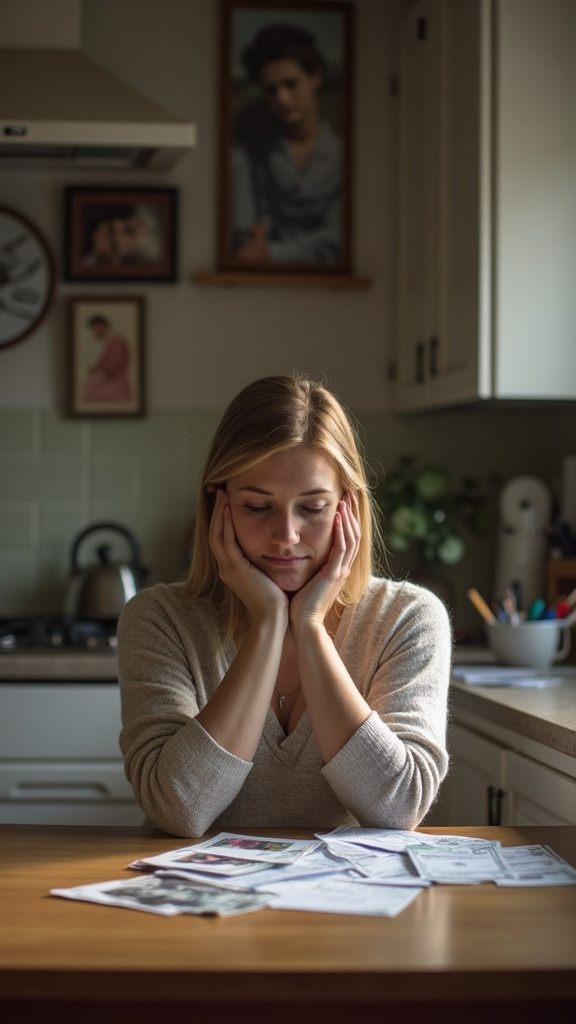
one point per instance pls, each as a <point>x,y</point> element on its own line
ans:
<point>106,357</point>
<point>285,161</point>
<point>120,234</point>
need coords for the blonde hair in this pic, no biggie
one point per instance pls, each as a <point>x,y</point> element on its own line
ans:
<point>272,415</point>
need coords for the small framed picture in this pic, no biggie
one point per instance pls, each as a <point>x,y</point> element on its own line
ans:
<point>106,357</point>
<point>286,147</point>
<point>120,234</point>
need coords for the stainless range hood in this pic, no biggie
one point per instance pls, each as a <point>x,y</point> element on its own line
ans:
<point>60,109</point>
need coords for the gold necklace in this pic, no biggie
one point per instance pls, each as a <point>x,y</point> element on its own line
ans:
<point>284,695</point>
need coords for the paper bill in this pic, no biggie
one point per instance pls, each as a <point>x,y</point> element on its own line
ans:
<point>459,865</point>
<point>396,840</point>
<point>318,864</point>
<point>391,868</point>
<point>343,896</point>
<point>535,865</point>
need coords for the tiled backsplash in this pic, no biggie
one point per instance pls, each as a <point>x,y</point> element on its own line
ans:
<point>59,476</point>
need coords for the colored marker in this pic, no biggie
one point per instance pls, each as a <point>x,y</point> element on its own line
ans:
<point>536,608</point>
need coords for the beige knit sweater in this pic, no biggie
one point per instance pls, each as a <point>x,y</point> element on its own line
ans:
<point>396,645</point>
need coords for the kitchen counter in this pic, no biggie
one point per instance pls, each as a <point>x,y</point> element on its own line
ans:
<point>546,716</point>
<point>458,952</point>
<point>47,664</point>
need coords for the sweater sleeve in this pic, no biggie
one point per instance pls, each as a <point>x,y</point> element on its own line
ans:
<point>181,777</point>
<point>389,772</point>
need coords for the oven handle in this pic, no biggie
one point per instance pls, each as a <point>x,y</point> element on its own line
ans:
<point>46,791</point>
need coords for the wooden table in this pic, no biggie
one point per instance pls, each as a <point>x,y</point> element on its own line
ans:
<point>458,953</point>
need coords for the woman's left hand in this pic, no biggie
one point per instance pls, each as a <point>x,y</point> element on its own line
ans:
<point>313,602</point>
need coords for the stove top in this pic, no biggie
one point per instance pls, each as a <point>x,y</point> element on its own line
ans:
<point>29,633</point>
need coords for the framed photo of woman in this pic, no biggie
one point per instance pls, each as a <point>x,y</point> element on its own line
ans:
<point>286,136</point>
<point>106,357</point>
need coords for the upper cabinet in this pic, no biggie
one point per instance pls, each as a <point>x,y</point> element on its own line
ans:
<point>486,203</point>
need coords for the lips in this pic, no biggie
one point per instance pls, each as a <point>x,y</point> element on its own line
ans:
<point>285,563</point>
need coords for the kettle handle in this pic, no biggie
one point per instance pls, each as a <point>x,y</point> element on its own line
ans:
<point>128,536</point>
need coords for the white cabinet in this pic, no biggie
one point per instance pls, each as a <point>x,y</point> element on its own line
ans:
<point>60,762</point>
<point>486,202</point>
<point>538,795</point>
<point>476,782</point>
<point>493,783</point>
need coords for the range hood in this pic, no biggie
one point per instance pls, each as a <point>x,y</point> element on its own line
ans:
<point>60,109</point>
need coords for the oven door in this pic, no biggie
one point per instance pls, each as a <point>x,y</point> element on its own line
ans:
<point>60,762</point>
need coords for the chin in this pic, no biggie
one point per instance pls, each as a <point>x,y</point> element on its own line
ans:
<point>289,584</point>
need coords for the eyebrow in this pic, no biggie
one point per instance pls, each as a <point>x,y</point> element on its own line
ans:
<point>305,494</point>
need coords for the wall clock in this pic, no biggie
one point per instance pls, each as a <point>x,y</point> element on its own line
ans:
<point>26,277</point>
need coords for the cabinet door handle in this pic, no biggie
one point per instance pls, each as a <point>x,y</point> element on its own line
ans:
<point>433,364</point>
<point>490,805</point>
<point>499,798</point>
<point>495,798</point>
<point>420,354</point>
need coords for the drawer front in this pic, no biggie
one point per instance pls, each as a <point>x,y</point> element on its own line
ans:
<point>83,782</point>
<point>63,793</point>
<point>70,814</point>
<point>60,721</point>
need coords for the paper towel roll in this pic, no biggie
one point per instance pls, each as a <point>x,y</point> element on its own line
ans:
<point>568,491</point>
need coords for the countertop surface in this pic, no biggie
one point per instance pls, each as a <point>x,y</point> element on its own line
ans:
<point>547,716</point>
<point>68,664</point>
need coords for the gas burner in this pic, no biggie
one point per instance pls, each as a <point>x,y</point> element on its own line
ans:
<point>52,633</point>
<point>92,633</point>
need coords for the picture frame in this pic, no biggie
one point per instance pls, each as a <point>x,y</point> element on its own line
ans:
<point>286,147</point>
<point>120,234</point>
<point>106,360</point>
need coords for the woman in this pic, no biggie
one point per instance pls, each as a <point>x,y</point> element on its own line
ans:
<point>108,378</point>
<point>283,684</point>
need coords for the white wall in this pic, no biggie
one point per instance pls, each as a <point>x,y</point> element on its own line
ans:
<point>203,342</point>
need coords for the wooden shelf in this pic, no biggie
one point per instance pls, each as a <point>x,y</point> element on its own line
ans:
<point>252,279</point>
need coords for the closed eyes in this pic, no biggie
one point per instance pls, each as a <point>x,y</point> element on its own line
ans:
<point>308,509</point>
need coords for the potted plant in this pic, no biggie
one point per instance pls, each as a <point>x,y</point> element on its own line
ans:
<point>429,516</point>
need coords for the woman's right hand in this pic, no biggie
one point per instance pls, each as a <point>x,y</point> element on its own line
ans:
<point>257,592</point>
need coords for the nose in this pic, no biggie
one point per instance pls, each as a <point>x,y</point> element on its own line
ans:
<point>281,97</point>
<point>284,529</point>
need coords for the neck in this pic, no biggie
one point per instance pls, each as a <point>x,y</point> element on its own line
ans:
<point>306,130</point>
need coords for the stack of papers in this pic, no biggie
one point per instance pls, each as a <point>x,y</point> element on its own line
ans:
<point>368,871</point>
<point>485,675</point>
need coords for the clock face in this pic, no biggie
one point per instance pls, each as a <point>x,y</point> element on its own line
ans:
<point>26,277</point>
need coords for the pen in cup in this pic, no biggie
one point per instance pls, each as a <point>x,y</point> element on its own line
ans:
<point>481,606</point>
<point>536,609</point>
<point>510,606</point>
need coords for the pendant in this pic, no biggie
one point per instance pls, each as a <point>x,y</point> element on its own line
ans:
<point>282,699</point>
